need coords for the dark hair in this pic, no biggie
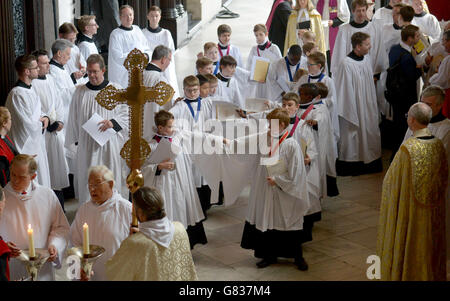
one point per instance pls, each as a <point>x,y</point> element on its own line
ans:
<point>224,28</point>
<point>161,117</point>
<point>359,3</point>
<point>407,13</point>
<point>67,28</point>
<point>310,89</point>
<point>150,202</point>
<point>154,8</point>
<point>39,52</point>
<point>295,50</point>
<point>24,62</point>
<point>358,38</point>
<point>96,59</point>
<point>409,31</point>
<point>322,89</point>
<point>227,60</point>
<point>280,114</point>
<point>202,79</point>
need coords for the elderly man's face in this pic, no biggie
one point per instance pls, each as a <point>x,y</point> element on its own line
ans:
<point>432,103</point>
<point>100,190</point>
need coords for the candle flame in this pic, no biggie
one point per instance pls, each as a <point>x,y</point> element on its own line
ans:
<point>85,225</point>
<point>29,227</point>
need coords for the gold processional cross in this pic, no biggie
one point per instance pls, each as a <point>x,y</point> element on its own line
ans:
<point>135,150</point>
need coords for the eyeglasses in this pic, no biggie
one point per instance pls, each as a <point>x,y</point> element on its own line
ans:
<point>312,64</point>
<point>95,186</point>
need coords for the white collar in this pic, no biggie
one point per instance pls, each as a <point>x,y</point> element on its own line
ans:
<point>406,47</point>
<point>160,231</point>
<point>425,132</point>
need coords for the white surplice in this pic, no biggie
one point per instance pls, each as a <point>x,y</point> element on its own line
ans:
<point>261,90</point>
<point>177,186</point>
<point>442,78</point>
<point>64,84</point>
<point>90,153</point>
<point>330,101</point>
<point>185,121</point>
<point>325,143</point>
<point>164,37</point>
<point>383,15</point>
<point>40,209</point>
<point>87,46</point>
<point>52,106</point>
<point>229,90</point>
<point>234,52</point>
<point>278,77</point>
<point>377,54</point>
<point>150,79</point>
<point>305,134</point>
<point>121,42</point>
<point>109,224</point>
<point>77,60</point>
<point>25,107</point>
<point>358,111</point>
<point>429,25</point>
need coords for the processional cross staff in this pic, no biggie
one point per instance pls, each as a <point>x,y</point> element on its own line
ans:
<point>135,150</point>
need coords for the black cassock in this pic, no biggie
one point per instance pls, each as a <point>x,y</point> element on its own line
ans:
<point>277,32</point>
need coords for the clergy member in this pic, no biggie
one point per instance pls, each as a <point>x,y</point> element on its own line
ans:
<point>107,214</point>
<point>156,36</point>
<point>52,106</point>
<point>83,107</point>
<point>277,22</point>
<point>343,44</point>
<point>359,149</point>
<point>441,78</point>
<point>385,14</point>
<point>159,251</point>
<point>411,231</point>
<point>439,126</point>
<point>86,42</point>
<point>122,40</point>
<point>30,204</point>
<point>28,122</point>
<point>153,74</point>
<point>76,65</point>
<point>428,23</point>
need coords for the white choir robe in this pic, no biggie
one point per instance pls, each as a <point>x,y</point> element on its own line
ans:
<point>280,207</point>
<point>305,133</point>
<point>151,79</point>
<point>325,143</point>
<point>377,54</point>
<point>65,86</point>
<point>41,210</point>
<point>261,90</point>
<point>90,153</point>
<point>121,42</point>
<point>25,108</point>
<point>52,106</point>
<point>441,130</point>
<point>164,37</point>
<point>383,15</point>
<point>331,100</point>
<point>278,77</point>
<point>77,60</point>
<point>442,78</point>
<point>185,121</point>
<point>234,52</point>
<point>358,112</point>
<point>109,225</point>
<point>232,91</point>
<point>429,25</point>
<point>177,186</point>
<point>343,14</point>
<point>87,46</point>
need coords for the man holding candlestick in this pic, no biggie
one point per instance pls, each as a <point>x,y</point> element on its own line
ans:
<point>28,203</point>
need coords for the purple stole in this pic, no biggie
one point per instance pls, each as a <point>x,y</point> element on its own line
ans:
<point>333,10</point>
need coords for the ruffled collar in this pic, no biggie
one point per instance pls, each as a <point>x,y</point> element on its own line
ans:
<point>160,231</point>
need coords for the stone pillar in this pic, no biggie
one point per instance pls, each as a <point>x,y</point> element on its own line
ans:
<point>7,55</point>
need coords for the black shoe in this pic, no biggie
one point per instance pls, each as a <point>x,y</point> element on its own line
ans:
<point>301,264</point>
<point>265,263</point>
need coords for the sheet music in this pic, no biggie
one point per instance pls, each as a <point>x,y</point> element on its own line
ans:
<point>259,69</point>
<point>92,127</point>
<point>226,111</point>
<point>275,167</point>
<point>256,105</point>
<point>165,150</point>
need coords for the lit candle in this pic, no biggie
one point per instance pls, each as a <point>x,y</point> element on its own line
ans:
<point>32,251</point>
<point>86,250</point>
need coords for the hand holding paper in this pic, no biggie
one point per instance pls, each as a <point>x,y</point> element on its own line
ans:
<point>92,127</point>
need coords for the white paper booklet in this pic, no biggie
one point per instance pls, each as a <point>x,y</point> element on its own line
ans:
<point>256,105</point>
<point>92,127</point>
<point>165,150</point>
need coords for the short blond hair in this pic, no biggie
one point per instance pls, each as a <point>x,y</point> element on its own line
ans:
<point>28,160</point>
<point>4,115</point>
<point>84,22</point>
<point>291,96</point>
<point>191,81</point>
<point>309,35</point>
<point>280,114</point>
<point>260,27</point>
<point>211,78</point>
<point>209,45</point>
